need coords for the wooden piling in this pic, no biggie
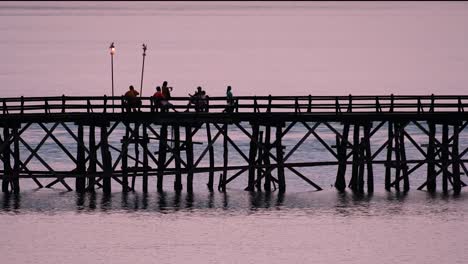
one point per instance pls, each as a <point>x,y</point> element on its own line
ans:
<point>124,154</point>
<point>361,166</point>
<point>189,152</point>
<point>80,180</point>
<point>368,155</point>
<point>178,174</point>
<point>279,156</point>
<point>355,167</point>
<point>404,166</point>
<point>431,173</point>
<point>397,150</point>
<point>162,156</point>
<point>266,159</point>
<point>92,158</point>
<point>225,158</point>
<point>388,167</point>
<point>211,157</point>
<point>106,161</point>
<point>258,182</point>
<point>6,160</point>
<point>252,156</point>
<point>340,182</point>
<point>16,158</point>
<point>144,144</point>
<point>445,156</point>
<point>456,161</point>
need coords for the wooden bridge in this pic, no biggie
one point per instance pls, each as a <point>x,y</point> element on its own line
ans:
<point>265,120</point>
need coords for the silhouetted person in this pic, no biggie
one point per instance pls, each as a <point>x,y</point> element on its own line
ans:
<point>194,98</point>
<point>132,100</point>
<point>230,100</point>
<point>201,105</point>
<point>161,101</point>
<point>166,91</point>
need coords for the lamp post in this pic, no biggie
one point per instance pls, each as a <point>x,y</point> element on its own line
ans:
<point>142,69</point>
<point>112,51</point>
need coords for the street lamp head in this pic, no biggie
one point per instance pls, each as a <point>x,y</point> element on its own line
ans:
<point>112,48</point>
<point>144,49</point>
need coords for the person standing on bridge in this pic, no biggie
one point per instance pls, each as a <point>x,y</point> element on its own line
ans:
<point>132,100</point>
<point>230,101</point>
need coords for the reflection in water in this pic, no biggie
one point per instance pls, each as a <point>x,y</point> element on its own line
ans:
<point>340,204</point>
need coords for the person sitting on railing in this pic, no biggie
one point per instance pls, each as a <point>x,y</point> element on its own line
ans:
<point>161,101</point>
<point>201,104</point>
<point>133,102</point>
<point>230,101</point>
<point>194,98</point>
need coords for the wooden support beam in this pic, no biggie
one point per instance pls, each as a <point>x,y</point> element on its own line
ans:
<point>430,178</point>
<point>162,156</point>
<point>17,161</point>
<point>252,156</point>
<point>266,159</point>
<point>340,182</point>
<point>388,169</point>
<point>355,167</point>
<point>178,174</point>
<point>6,160</point>
<point>397,150</point>
<point>404,169</point>
<point>211,157</point>
<point>189,152</point>
<point>124,165</point>
<point>456,161</point>
<point>144,145</point>
<point>258,181</point>
<point>106,161</point>
<point>445,156</point>
<point>368,159</point>
<point>279,156</point>
<point>225,159</point>
<point>80,181</point>
<point>92,158</point>
<point>361,166</point>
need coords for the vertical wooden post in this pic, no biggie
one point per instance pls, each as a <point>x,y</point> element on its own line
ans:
<point>178,174</point>
<point>340,182</point>
<point>162,156</point>
<point>225,158</point>
<point>211,157</point>
<point>106,161</point>
<point>279,156</point>
<point>6,160</point>
<point>266,159</point>
<point>16,157</point>
<point>189,151</point>
<point>404,164</point>
<point>388,166</point>
<point>355,168</point>
<point>144,143</point>
<point>430,178</point>
<point>92,158</point>
<point>125,160</point>
<point>456,161</point>
<point>252,156</point>
<point>370,171</point>
<point>397,150</point>
<point>80,180</point>
<point>445,156</point>
<point>361,159</point>
<point>258,184</point>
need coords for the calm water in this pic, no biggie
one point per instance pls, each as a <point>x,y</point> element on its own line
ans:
<point>297,48</point>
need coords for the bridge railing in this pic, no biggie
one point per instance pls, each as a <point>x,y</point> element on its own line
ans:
<point>242,104</point>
